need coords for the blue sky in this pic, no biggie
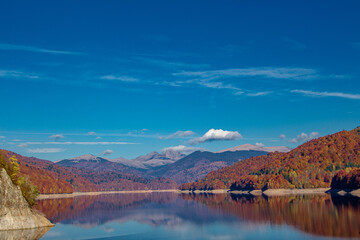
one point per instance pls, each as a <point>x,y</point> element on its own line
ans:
<point>147,75</point>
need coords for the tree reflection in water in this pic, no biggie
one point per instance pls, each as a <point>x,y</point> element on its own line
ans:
<point>321,215</point>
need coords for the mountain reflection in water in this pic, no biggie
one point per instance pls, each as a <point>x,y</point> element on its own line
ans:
<point>168,214</point>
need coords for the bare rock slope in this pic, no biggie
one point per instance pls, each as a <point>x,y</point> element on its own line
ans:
<point>15,212</point>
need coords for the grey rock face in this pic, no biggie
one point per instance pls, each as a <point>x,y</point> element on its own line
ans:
<point>15,212</point>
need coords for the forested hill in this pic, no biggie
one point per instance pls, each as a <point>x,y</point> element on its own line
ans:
<point>311,165</point>
<point>52,178</point>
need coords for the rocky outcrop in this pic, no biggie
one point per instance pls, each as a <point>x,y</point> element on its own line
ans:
<point>15,212</point>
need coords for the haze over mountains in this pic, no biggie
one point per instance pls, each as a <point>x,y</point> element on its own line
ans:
<point>155,159</point>
<point>155,170</point>
<point>171,164</point>
<point>256,148</point>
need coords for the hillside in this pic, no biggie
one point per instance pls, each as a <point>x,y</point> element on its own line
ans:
<point>311,165</point>
<point>52,178</point>
<point>348,180</point>
<point>198,164</point>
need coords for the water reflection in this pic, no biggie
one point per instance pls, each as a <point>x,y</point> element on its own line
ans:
<point>177,215</point>
<point>322,215</point>
<point>24,234</point>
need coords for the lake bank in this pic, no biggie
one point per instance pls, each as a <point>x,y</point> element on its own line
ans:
<point>268,192</point>
<point>283,192</point>
<point>76,194</point>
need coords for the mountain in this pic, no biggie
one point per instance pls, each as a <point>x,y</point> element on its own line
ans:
<point>198,164</point>
<point>50,177</point>
<point>86,158</point>
<point>151,160</point>
<point>311,165</point>
<point>256,148</point>
<point>98,164</point>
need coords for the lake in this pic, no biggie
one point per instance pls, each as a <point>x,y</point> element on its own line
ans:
<point>201,216</point>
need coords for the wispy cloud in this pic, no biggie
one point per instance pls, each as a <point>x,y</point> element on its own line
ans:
<point>267,72</point>
<point>282,136</point>
<point>355,45</point>
<point>78,143</point>
<point>178,134</point>
<point>228,78</point>
<point>327,94</point>
<point>1,137</point>
<point>216,135</point>
<point>57,136</point>
<point>182,149</point>
<point>45,150</point>
<point>12,47</point>
<point>17,74</point>
<point>294,45</point>
<point>257,94</point>
<point>119,78</point>
<point>91,133</point>
<point>171,64</point>
<point>233,49</point>
<point>107,152</point>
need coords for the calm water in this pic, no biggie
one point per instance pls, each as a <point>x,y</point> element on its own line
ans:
<point>203,216</point>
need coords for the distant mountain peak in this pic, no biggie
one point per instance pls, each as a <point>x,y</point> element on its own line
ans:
<point>256,148</point>
<point>86,157</point>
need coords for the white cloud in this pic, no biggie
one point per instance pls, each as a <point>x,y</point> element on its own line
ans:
<point>56,136</point>
<point>282,136</point>
<point>4,46</point>
<point>182,149</point>
<point>98,137</point>
<point>259,144</point>
<point>91,133</point>
<point>178,134</point>
<point>216,135</point>
<point>1,137</point>
<point>79,143</point>
<point>303,137</point>
<point>45,150</point>
<point>327,94</point>
<point>120,78</point>
<point>22,145</point>
<point>107,152</point>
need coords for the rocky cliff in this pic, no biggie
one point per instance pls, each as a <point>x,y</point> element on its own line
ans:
<point>15,212</point>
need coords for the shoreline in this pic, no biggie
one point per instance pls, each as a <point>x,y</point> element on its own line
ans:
<point>76,194</point>
<point>268,192</point>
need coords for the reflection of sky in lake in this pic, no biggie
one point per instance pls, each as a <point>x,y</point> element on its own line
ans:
<point>136,230</point>
<point>172,216</point>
